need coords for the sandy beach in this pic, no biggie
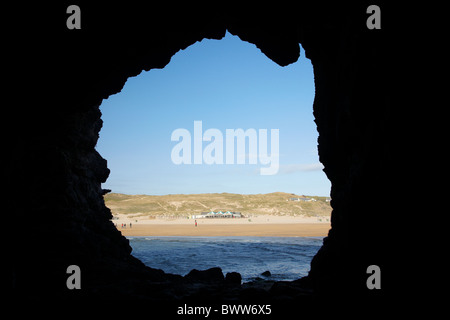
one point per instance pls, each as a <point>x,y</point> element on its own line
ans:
<point>262,225</point>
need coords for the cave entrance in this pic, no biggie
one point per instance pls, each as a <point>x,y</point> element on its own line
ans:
<point>166,137</point>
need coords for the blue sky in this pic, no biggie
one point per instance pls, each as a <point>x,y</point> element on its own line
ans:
<point>226,84</point>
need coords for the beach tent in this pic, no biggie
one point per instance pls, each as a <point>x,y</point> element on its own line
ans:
<point>210,214</point>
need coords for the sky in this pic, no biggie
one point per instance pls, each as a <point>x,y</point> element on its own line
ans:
<point>220,84</point>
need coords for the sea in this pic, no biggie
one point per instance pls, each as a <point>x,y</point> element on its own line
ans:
<point>287,258</point>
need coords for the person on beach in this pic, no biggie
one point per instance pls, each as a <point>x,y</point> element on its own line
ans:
<point>130,224</point>
<point>195,222</point>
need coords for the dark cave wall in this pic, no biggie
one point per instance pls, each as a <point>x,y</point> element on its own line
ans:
<point>54,155</point>
<point>351,112</point>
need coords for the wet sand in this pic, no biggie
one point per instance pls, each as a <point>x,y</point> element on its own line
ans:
<point>223,229</point>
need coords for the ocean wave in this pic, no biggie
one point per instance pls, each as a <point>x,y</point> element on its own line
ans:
<point>286,258</point>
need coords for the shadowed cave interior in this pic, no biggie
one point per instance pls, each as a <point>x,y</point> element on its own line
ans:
<point>54,154</point>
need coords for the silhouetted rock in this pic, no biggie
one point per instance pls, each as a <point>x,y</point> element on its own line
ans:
<point>209,275</point>
<point>266,273</point>
<point>286,289</point>
<point>253,294</point>
<point>233,278</point>
<point>50,149</point>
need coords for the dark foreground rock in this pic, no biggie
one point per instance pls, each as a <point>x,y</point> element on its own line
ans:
<point>54,173</point>
<point>213,275</point>
<point>266,274</point>
<point>233,278</point>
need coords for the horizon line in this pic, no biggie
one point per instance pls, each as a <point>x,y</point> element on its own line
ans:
<point>174,194</point>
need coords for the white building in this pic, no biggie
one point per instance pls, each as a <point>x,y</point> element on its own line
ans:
<point>218,214</point>
<point>302,199</point>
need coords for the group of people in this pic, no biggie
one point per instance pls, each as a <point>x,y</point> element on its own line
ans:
<point>124,225</point>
